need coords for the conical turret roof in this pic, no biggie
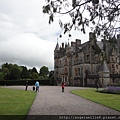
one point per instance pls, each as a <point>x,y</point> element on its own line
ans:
<point>103,67</point>
<point>57,46</point>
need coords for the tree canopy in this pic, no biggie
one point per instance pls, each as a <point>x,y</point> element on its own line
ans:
<point>101,16</point>
<point>14,72</point>
<point>44,71</point>
<point>24,73</point>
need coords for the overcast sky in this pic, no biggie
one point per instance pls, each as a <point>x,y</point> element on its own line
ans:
<point>26,38</point>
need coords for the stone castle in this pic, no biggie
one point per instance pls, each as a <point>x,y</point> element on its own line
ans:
<point>89,63</point>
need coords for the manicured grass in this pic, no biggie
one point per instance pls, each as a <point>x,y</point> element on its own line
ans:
<point>15,102</point>
<point>109,100</point>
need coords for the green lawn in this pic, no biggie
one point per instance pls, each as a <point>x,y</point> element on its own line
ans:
<point>109,100</point>
<point>15,102</point>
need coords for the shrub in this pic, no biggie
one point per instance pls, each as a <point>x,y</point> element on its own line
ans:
<point>23,82</point>
<point>111,89</point>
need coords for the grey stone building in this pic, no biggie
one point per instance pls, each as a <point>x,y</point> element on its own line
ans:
<point>89,63</point>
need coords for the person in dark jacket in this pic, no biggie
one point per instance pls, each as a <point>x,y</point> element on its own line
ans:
<point>97,86</point>
<point>63,86</point>
<point>26,86</point>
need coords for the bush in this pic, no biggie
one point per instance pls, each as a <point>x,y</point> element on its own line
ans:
<point>111,90</point>
<point>23,82</point>
<point>118,85</point>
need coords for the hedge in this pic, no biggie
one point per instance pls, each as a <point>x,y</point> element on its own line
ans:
<point>23,82</point>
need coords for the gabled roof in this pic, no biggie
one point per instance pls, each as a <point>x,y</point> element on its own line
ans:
<point>84,44</point>
<point>100,44</point>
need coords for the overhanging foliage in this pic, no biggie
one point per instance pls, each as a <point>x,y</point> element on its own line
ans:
<point>101,16</point>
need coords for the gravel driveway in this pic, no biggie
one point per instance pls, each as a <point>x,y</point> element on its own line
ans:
<point>50,100</point>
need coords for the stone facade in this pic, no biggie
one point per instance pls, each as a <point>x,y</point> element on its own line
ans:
<point>80,64</point>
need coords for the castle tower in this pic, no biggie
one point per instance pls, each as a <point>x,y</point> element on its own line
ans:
<point>56,51</point>
<point>104,75</point>
<point>118,43</point>
<point>92,39</point>
<point>56,58</point>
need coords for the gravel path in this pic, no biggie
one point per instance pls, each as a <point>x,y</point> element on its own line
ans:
<point>52,101</point>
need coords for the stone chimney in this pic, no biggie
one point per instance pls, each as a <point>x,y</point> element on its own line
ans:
<point>78,42</point>
<point>73,44</point>
<point>92,36</point>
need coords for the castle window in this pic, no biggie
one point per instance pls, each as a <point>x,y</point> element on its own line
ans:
<point>60,63</point>
<point>117,66</point>
<point>87,57</point>
<point>112,66</point>
<point>79,71</point>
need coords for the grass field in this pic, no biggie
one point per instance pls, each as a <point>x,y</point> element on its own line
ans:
<point>109,100</point>
<point>15,102</point>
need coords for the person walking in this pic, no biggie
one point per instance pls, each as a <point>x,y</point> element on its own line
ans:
<point>26,86</point>
<point>37,86</point>
<point>63,86</point>
<point>97,86</point>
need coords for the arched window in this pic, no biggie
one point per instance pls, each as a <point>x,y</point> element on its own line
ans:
<point>60,63</point>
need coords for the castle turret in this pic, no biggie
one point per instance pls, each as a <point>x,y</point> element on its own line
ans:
<point>56,51</point>
<point>104,75</point>
<point>56,58</point>
<point>57,46</point>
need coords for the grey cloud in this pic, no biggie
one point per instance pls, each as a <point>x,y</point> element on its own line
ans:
<point>28,50</point>
<point>26,38</point>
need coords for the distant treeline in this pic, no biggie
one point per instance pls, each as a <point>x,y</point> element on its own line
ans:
<point>11,71</point>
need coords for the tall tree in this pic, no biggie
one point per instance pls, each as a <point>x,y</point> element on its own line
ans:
<point>101,16</point>
<point>51,77</point>
<point>24,73</point>
<point>34,75</point>
<point>34,70</point>
<point>44,71</point>
<point>51,74</point>
<point>11,71</point>
<point>6,65</point>
<point>15,72</point>
<point>6,73</point>
<point>1,76</point>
